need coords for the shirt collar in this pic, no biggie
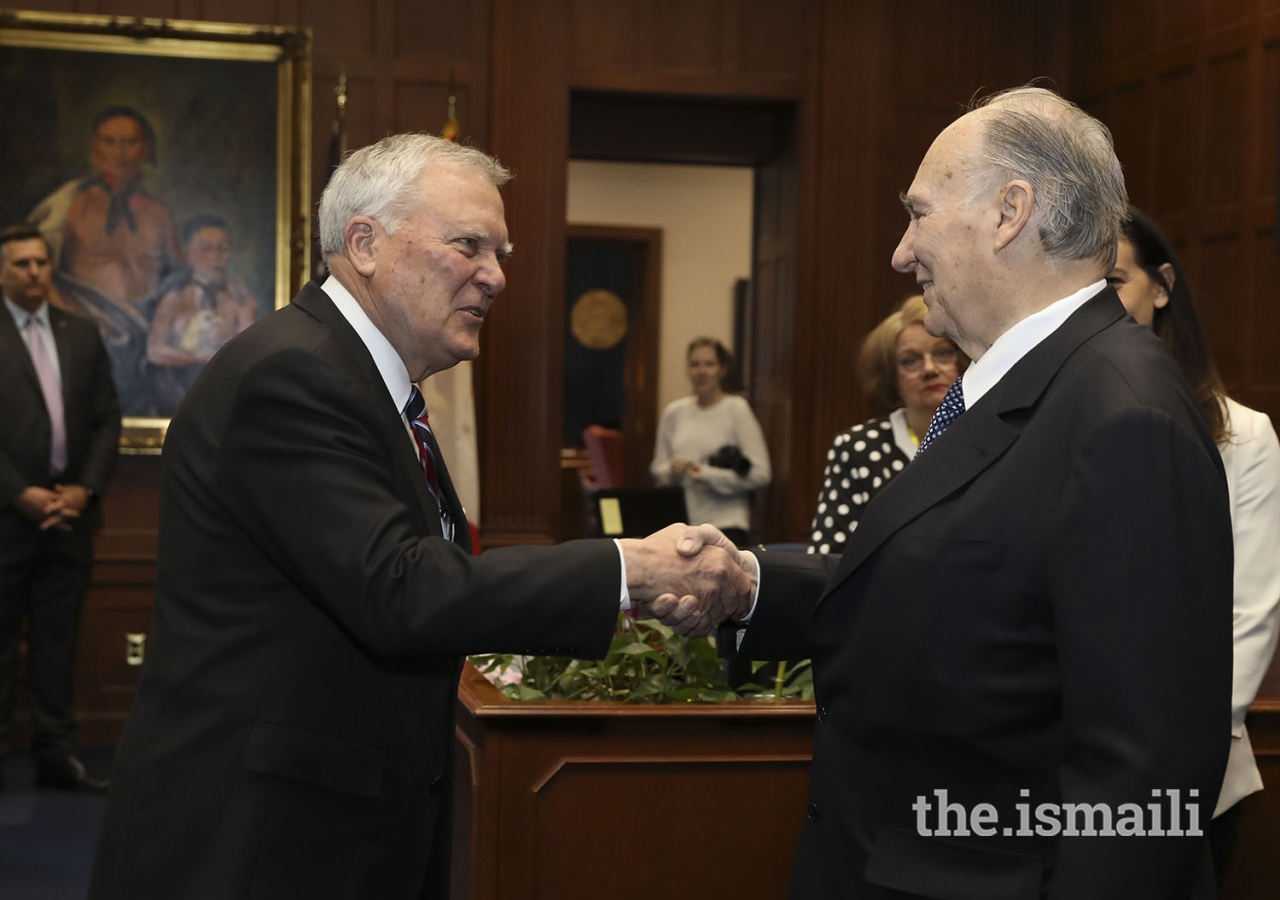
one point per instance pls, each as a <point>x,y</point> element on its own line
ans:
<point>20,315</point>
<point>983,374</point>
<point>390,366</point>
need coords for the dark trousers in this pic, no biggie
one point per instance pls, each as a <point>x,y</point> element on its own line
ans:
<point>43,578</point>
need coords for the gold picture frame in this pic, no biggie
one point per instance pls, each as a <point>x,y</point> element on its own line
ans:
<point>167,163</point>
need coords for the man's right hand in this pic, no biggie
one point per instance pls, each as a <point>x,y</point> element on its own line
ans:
<point>691,579</point>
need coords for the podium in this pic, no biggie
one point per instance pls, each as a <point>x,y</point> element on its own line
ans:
<point>629,802</point>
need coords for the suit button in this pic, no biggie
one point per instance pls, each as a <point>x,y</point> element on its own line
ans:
<point>436,784</point>
<point>822,714</point>
<point>811,812</point>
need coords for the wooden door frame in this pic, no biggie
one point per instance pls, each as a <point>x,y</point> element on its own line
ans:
<point>640,370</point>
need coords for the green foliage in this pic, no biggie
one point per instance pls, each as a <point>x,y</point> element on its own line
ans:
<point>647,662</point>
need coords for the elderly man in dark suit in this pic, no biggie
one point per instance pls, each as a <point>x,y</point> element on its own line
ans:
<point>1023,659</point>
<point>59,430</point>
<point>292,734</point>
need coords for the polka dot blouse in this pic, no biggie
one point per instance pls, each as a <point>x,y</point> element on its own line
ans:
<point>861,461</point>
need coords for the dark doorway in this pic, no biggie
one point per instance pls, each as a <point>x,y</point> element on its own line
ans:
<point>611,337</point>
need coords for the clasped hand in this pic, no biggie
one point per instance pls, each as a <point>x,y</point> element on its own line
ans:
<point>690,578</point>
<point>53,508</point>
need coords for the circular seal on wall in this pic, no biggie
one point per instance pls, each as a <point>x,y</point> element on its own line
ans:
<point>599,319</point>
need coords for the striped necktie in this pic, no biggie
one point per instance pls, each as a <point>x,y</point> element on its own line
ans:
<point>416,412</point>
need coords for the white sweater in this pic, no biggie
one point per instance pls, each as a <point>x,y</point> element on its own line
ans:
<point>722,497</point>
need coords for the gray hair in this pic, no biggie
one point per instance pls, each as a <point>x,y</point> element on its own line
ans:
<point>1068,158</point>
<point>381,181</point>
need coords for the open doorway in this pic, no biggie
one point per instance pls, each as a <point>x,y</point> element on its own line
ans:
<point>706,174</point>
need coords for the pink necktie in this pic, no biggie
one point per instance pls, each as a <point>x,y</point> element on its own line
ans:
<point>51,386</point>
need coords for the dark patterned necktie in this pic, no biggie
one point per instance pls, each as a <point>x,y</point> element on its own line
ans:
<point>948,411</point>
<point>416,412</point>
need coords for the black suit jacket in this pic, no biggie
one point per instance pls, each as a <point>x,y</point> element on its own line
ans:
<point>292,733</point>
<point>1040,603</point>
<point>92,416</point>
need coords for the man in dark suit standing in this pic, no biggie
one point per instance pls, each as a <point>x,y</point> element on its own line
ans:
<point>59,433</point>
<point>292,733</point>
<point>1023,659</point>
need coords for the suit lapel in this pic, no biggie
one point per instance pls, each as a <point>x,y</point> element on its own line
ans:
<point>975,440</point>
<point>13,340</point>
<point>66,352</point>
<point>316,303</point>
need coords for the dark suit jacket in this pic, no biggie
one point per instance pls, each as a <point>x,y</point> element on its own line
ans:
<point>92,416</point>
<point>293,732</point>
<point>1041,603</point>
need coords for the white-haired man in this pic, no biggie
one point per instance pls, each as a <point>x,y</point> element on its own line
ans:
<point>292,733</point>
<point>1028,638</point>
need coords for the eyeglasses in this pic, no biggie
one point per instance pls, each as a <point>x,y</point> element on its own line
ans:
<point>943,358</point>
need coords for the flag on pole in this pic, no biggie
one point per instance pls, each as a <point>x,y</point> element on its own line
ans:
<point>338,133</point>
<point>337,149</point>
<point>451,400</point>
<point>450,130</point>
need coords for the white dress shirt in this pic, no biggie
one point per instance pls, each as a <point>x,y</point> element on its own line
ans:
<point>399,386</point>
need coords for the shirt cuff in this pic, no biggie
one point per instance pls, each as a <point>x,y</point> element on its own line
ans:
<point>746,620</point>
<point>624,603</point>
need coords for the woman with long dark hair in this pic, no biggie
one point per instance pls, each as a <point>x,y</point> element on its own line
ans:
<point>1155,291</point>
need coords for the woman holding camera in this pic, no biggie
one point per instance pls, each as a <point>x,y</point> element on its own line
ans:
<point>712,445</point>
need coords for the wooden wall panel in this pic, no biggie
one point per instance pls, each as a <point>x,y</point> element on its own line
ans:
<point>609,36</point>
<point>752,48</point>
<point>254,12</point>
<point>341,27</point>
<point>1196,128</point>
<point>1224,165</point>
<point>774,39</point>
<point>1223,14</point>
<point>519,377</point>
<point>1219,276</point>
<point>1180,21</point>
<point>697,46</point>
<point>1264,335</point>
<point>1175,159</point>
<point>439,30</point>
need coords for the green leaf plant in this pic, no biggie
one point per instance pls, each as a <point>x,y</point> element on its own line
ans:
<point>647,662</point>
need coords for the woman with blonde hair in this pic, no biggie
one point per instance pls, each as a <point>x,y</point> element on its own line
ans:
<point>902,366</point>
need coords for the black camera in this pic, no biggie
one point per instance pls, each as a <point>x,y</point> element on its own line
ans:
<point>730,457</point>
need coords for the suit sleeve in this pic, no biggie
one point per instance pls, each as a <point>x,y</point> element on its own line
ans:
<point>790,585</point>
<point>303,471</point>
<point>104,421</point>
<point>1140,583</point>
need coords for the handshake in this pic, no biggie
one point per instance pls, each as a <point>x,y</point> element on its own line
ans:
<point>690,578</point>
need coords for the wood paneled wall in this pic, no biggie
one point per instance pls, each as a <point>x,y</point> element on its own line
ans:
<point>1191,91</point>
<point>1191,88</point>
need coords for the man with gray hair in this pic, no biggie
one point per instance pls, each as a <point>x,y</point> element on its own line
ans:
<point>292,733</point>
<point>1022,662</point>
